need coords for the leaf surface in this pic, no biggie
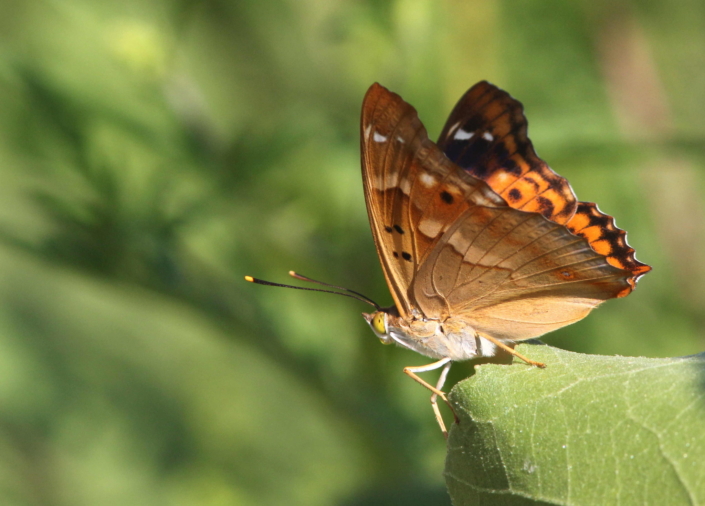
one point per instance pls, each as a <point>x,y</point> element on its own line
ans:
<point>586,430</point>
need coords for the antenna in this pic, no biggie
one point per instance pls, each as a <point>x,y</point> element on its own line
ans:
<point>350,293</point>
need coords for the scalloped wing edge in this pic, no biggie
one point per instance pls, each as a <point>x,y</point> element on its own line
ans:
<point>605,238</point>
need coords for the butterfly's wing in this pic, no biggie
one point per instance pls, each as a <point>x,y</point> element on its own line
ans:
<point>486,134</point>
<point>519,277</point>
<point>540,287</point>
<point>411,191</point>
<point>608,240</point>
<point>451,246</point>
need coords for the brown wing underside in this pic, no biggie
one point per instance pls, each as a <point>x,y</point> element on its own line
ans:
<point>450,246</point>
<point>402,166</point>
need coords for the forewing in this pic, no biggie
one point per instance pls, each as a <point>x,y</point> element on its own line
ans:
<point>486,134</point>
<point>413,192</point>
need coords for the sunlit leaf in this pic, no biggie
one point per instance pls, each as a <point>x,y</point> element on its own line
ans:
<point>587,429</point>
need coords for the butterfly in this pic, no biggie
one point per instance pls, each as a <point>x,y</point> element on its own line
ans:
<point>481,243</point>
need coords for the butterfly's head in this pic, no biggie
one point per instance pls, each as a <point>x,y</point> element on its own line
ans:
<point>378,322</point>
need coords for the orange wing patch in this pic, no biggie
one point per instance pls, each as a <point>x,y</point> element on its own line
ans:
<point>608,240</point>
<point>486,134</point>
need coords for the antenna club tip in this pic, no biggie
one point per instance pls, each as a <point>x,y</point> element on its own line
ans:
<point>292,274</point>
<point>250,279</point>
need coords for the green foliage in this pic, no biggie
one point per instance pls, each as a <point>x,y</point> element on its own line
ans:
<point>152,152</point>
<point>588,429</point>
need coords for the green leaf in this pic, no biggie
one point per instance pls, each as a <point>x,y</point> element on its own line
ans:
<point>588,429</point>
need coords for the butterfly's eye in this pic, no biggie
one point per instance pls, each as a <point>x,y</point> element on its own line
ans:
<point>378,323</point>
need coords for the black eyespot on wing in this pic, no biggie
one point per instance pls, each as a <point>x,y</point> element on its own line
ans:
<point>396,255</point>
<point>388,229</point>
<point>514,194</point>
<point>446,197</point>
<point>406,256</point>
<point>545,206</point>
<point>398,229</point>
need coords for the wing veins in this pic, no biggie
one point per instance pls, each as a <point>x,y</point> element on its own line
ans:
<point>471,242</point>
<point>454,228</point>
<point>394,210</point>
<point>397,154</point>
<point>412,225</point>
<point>543,254</point>
<point>564,322</point>
<point>548,285</point>
<point>520,249</point>
<point>559,267</point>
<point>498,285</point>
<point>476,263</point>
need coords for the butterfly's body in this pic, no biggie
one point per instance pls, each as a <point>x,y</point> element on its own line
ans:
<point>451,338</point>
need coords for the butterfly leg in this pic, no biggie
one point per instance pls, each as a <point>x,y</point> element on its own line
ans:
<point>506,348</point>
<point>445,363</point>
<point>434,396</point>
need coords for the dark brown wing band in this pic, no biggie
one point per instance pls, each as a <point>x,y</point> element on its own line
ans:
<point>486,134</point>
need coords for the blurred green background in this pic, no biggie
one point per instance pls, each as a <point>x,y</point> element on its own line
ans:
<point>154,152</point>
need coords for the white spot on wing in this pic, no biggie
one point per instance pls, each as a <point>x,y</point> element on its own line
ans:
<point>452,129</point>
<point>427,180</point>
<point>405,186</point>
<point>367,131</point>
<point>400,140</point>
<point>430,228</point>
<point>390,181</point>
<point>378,137</point>
<point>488,136</point>
<point>386,182</point>
<point>459,242</point>
<point>462,135</point>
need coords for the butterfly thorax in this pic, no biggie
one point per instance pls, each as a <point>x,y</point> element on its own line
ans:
<point>451,338</point>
